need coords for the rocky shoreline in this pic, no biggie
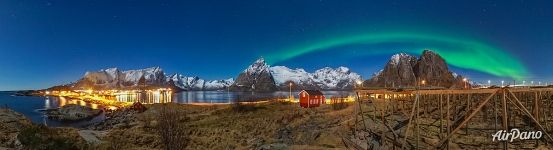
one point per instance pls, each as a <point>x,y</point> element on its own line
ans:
<point>11,123</point>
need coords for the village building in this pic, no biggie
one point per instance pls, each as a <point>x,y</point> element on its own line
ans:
<point>311,98</point>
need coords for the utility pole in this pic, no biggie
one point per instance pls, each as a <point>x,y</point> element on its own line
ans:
<point>290,96</point>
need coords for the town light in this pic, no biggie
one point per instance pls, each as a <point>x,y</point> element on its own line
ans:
<point>423,82</point>
<point>290,98</point>
<point>465,81</point>
<point>489,83</point>
<point>502,83</point>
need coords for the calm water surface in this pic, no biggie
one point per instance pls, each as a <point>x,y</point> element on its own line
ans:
<point>30,106</point>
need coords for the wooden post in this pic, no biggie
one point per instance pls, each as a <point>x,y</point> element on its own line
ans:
<point>517,102</point>
<point>409,123</point>
<point>447,119</point>
<point>536,107</point>
<point>472,114</point>
<point>441,118</point>
<point>467,111</point>
<point>505,127</point>
<point>417,123</point>
<point>495,112</point>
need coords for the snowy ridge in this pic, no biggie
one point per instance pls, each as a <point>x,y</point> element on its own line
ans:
<point>257,67</point>
<point>259,72</point>
<point>326,78</point>
<point>152,75</point>
<point>378,73</point>
<point>396,58</point>
<point>114,78</point>
<point>195,83</point>
<point>281,74</point>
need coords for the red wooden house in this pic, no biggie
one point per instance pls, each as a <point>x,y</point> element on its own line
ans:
<point>311,98</point>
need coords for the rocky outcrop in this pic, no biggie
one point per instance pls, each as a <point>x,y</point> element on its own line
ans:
<point>73,112</point>
<point>397,72</point>
<point>403,70</point>
<point>11,123</point>
<point>256,77</point>
<point>433,68</point>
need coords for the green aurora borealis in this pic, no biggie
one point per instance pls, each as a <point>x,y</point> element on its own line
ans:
<point>459,52</point>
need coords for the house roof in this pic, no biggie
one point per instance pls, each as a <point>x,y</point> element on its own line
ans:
<point>313,92</point>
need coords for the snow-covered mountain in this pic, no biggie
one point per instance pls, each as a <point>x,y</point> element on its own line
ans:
<point>262,77</point>
<point>259,76</point>
<point>404,70</point>
<point>195,83</point>
<point>256,77</point>
<point>114,78</point>
<point>327,78</point>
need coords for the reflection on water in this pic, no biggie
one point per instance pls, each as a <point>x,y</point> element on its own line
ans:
<point>221,97</point>
<point>32,106</point>
<point>145,97</point>
<point>51,102</point>
<point>28,105</point>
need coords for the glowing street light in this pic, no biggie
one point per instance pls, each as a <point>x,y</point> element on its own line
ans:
<point>290,96</point>
<point>523,82</point>
<point>502,83</point>
<point>532,83</point>
<point>489,83</point>
<point>465,82</point>
<point>359,83</point>
<point>423,82</point>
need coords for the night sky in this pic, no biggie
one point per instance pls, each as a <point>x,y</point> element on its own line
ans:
<point>45,43</point>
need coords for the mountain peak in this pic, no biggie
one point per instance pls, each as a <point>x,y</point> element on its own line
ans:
<point>404,70</point>
<point>260,60</point>
<point>257,67</point>
<point>428,52</point>
<point>396,58</point>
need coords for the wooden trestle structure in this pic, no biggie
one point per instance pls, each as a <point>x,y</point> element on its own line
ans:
<point>453,114</point>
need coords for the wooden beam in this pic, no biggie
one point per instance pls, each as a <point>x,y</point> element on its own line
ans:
<point>409,124</point>
<point>459,91</point>
<point>447,121</point>
<point>441,118</point>
<point>472,114</point>
<point>517,102</point>
<point>505,121</point>
<point>536,106</point>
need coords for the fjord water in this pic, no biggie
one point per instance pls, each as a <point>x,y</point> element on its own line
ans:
<point>30,106</point>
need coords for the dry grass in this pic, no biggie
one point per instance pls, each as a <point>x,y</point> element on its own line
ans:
<point>171,128</point>
<point>272,124</point>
